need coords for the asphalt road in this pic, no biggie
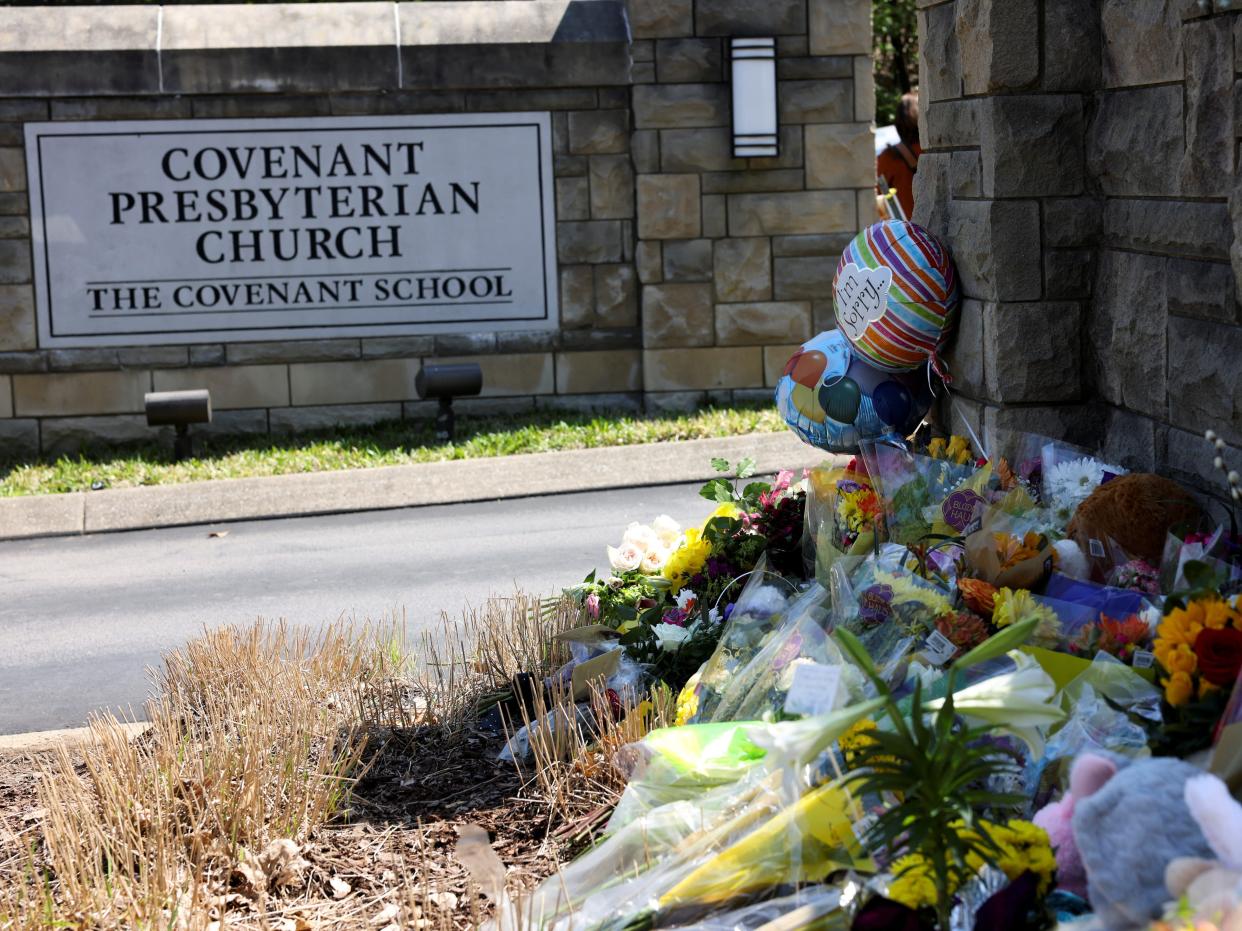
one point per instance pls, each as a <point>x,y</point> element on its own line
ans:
<point>81,618</point>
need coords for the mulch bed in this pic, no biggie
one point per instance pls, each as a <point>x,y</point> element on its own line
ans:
<point>394,846</point>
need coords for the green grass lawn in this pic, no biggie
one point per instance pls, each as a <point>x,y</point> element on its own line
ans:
<point>392,443</point>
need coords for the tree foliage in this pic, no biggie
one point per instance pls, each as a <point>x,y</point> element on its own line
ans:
<point>895,45</point>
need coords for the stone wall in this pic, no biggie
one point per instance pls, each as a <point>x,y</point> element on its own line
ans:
<point>1083,182</point>
<point>684,274</point>
<point>736,256</point>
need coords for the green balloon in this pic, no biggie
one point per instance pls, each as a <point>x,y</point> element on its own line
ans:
<point>841,400</point>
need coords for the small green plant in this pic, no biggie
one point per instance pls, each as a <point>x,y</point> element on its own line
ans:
<point>938,770</point>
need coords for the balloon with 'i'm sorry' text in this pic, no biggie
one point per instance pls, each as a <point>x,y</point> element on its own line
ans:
<point>895,296</point>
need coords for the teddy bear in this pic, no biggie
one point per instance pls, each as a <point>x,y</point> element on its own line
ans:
<point>1211,888</point>
<point>1117,828</point>
<point>1136,511</point>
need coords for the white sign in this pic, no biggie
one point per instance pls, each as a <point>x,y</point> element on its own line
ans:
<point>862,296</point>
<point>814,689</point>
<point>194,231</point>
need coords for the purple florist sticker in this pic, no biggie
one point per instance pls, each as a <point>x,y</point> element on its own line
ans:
<point>789,652</point>
<point>875,605</point>
<point>959,508</point>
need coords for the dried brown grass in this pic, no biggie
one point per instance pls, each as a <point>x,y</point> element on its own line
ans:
<point>255,737</point>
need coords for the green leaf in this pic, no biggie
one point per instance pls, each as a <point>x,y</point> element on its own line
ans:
<point>755,489</point>
<point>720,465</point>
<point>1200,575</point>
<point>999,644</point>
<point>746,468</point>
<point>718,489</point>
<point>625,612</point>
<point>589,579</point>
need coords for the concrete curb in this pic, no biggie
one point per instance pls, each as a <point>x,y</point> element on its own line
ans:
<point>466,480</point>
<point>43,741</point>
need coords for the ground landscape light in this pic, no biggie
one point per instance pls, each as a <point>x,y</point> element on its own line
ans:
<point>753,64</point>
<point>178,409</point>
<point>445,382</point>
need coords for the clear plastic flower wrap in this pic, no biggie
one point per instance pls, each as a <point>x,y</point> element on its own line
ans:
<point>759,686</point>
<point>757,615</point>
<point>844,516</point>
<point>824,908</point>
<point>921,495</point>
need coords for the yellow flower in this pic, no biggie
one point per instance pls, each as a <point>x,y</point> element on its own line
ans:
<point>1178,688</point>
<point>1206,688</point>
<point>687,560</point>
<point>913,886</point>
<point>626,626</point>
<point>688,701</point>
<point>1014,605</point>
<point>936,448</point>
<point>1181,659</point>
<point>728,509</point>
<point>958,450</point>
<point>906,591</point>
<point>1217,615</point>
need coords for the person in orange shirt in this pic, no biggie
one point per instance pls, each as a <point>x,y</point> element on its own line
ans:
<point>898,163</point>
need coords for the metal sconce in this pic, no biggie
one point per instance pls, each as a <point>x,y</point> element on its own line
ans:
<point>753,64</point>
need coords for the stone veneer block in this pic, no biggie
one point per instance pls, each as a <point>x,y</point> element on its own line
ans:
<point>1135,141</point>
<point>940,66</point>
<point>1192,229</point>
<point>649,262</point>
<point>327,417</point>
<point>1207,380</point>
<point>668,207</point>
<point>6,396</point>
<point>749,17</point>
<point>233,386</point>
<point>595,372</point>
<point>1046,337</point>
<point>680,106</point>
<point>743,269</point>
<point>791,214</point>
<point>676,315</point>
<point>1207,164</point>
<point>998,43</point>
<point>864,89</point>
<point>362,382</point>
<point>612,187</point>
<point>763,323</point>
<point>320,350</point>
<point>573,199</point>
<point>1129,332</point>
<point>996,248</point>
<point>14,261</point>
<point>577,296</point>
<point>1032,145</point>
<point>839,27</point>
<point>715,216</point>
<point>17,318</point>
<point>815,101</point>
<point>707,149</point>
<point>687,61</point>
<point>1204,290</point>
<point>967,353</point>
<point>840,155</point>
<point>510,375</point>
<point>599,132</point>
<point>657,19</point>
<point>397,347</point>
<point>589,242</point>
<point>804,278</point>
<point>59,395</point>
<point>688,260</point>
<point>774,360</point>
<point>1071,46</point>
<point>1142,42</point>
<point>12,170</point>
<point>616,296</point>
<point>703,369</point>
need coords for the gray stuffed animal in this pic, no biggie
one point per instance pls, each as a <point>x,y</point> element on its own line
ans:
<point>1130,819</point>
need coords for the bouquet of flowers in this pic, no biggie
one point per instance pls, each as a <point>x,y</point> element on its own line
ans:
<point>844,515</point>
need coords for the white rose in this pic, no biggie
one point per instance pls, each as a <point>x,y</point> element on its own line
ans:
<point>654,559</point>
<point>626,559</point>
<point>641,536</point>
<point>670,636</point>
<point>667,530</point>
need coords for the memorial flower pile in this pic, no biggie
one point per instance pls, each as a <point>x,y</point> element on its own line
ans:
<point>894,677</point>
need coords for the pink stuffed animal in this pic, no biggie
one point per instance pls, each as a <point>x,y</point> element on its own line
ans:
<point>1087,775</point>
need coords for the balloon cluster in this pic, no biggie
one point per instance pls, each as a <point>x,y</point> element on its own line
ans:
<point>895,298</point>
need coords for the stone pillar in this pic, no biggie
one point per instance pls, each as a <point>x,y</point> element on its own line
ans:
<point>735,256</point>
<point>1003,180</point>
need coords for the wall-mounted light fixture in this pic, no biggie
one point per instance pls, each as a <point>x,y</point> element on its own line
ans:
<point>754,97</point>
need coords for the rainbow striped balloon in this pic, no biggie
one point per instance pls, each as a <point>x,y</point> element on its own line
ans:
<point>895,296</point>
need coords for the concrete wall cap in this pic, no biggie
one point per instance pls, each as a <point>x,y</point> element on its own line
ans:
<point>317,25</point>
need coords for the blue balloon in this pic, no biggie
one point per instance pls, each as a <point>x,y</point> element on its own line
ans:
<point>833,399</point>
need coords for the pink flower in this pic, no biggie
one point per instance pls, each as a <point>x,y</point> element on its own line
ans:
<point>592,605</point>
